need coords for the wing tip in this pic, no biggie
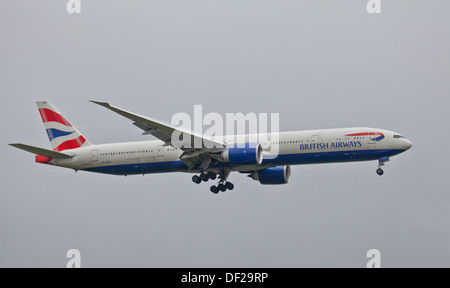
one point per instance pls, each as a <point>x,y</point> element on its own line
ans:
<point>104,104</point>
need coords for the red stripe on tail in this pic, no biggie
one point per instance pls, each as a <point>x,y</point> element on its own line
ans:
<point>71,144</point>
<point>48,115</point>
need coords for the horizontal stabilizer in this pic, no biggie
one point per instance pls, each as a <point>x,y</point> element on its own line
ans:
<point>41,151</point>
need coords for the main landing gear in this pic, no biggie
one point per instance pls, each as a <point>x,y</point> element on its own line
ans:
<point>204,177</point>
<point>380,164</point>
<point>222,186</point>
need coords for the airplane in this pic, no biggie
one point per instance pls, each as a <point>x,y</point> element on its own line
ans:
<point>72,150</point>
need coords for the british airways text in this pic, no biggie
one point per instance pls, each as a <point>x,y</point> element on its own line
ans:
<point>322,146</point>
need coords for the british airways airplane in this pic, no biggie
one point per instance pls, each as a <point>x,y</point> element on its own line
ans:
<point>72,150</point>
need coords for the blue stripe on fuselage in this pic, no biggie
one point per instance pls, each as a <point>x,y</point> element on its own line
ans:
<point>379,138</point>
<point>55,133</point>
<point>286,159</point>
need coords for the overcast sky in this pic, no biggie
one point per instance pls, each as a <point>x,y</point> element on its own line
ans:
<point>320,64</point>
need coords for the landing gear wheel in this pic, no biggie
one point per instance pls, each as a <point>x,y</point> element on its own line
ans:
<point>211,175</point>
<point>196,179</point>
<point>214,189</point>
<point>380,171</point>
<point>204,177</point>
<point>229,186</point>
<point>222,187</point>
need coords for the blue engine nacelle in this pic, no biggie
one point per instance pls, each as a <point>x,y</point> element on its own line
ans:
<point>273,175</point>
<point>251,154</point>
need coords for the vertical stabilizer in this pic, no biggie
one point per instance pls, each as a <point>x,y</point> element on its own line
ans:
<point>62,135</point>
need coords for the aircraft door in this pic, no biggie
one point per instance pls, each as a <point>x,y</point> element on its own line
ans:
<point>94,156</point>
<point>160,151</point>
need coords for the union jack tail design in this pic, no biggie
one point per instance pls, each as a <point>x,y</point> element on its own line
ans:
<point>62,135</point>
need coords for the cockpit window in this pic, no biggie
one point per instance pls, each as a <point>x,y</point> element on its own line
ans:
<point>398,136</point>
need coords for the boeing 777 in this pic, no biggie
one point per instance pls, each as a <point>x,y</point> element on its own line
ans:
<point>209,162</point>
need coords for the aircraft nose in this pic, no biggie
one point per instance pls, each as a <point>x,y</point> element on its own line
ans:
<point>407,144</point>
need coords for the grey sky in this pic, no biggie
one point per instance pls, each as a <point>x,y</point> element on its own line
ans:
<point>320,64</point>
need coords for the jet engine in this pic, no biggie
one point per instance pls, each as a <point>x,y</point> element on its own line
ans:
<point>250,154</point>
<point>272,175</point>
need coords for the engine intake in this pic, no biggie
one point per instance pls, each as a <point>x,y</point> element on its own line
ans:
<point>251,154</point>
<point>273,175</point>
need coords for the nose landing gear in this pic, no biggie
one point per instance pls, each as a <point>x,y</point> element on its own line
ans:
<point>380,164</point>
<point>380,171</point>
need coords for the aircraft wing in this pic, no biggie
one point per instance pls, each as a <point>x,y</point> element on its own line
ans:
<point>165,132</point>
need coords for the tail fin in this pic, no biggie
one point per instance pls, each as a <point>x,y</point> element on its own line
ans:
<point>62,135</point>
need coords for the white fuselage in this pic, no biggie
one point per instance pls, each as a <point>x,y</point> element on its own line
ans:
<point>292,148</point>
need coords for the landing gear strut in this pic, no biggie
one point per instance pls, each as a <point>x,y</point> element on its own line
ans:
<point>380,164</point>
